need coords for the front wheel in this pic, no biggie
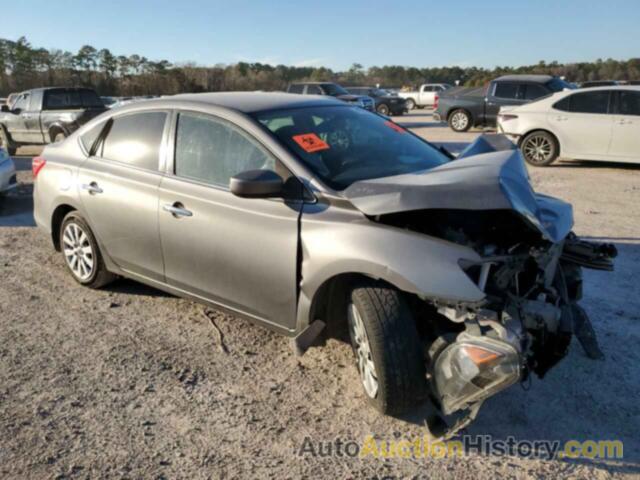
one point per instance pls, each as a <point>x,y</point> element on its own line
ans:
<point>460,121</point>
<point>387,347</point>
<point>540,148</point>
<point>81,252</point>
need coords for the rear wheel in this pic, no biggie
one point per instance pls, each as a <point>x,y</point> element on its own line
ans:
<point>410,104</point>
<point>387,347</point>
<point>540,148</point>
<point>383,109</point>
<point>81,252</point>
<point>460,121</point>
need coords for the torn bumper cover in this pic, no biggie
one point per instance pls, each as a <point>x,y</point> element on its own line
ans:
<point>530,269</point>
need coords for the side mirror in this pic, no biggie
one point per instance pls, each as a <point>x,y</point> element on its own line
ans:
<point>4,108</point>
<point>256,184</point>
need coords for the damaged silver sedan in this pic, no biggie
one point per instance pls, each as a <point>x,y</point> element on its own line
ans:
<point>451,278</point>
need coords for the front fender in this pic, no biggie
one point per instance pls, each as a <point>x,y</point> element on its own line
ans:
<point>335,243</point>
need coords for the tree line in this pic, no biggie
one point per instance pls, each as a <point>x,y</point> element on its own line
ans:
<point>23,66</point>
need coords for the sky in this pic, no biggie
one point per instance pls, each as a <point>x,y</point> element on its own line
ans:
<point>335,33</point>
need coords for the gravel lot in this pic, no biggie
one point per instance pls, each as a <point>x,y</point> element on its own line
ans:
<point>128,382</point>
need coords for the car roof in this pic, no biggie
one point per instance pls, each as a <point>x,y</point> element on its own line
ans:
<point>525,78</point>
<point>634,88</point>
<point>246,102</point>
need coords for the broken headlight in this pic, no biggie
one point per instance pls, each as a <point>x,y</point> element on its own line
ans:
<point>472,369</point>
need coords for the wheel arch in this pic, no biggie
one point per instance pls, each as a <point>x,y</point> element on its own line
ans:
<point>57,217</point>
<point>56,128</point>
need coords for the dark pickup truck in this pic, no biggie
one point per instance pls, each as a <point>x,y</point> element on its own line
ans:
<point>463,108</point>
<point>45,115</point>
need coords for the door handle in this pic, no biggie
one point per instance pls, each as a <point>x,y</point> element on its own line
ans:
<point>624,122</point>
<point>560,118</point>
<point>92,188</point>
<point>177,210</point>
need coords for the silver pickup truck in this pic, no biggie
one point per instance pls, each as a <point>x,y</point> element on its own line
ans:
<point>424,96</point>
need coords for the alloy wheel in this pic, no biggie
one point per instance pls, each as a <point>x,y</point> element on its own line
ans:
<point>360,342</point>
<point>78,251</point>
<point>459,121</point>
<point>538,149</point>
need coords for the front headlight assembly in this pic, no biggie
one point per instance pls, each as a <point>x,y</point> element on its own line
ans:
<point>472,369</point>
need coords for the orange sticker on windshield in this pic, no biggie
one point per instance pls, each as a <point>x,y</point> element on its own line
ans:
<point>394,126</point>
<point>310,142</point>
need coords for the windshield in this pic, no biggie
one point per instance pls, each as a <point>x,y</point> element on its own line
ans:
<point>558,85</point>
<point>333,89</point>
<point>343,145</point>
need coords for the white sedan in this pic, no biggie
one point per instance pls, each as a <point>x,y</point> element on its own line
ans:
<point>594,124</point>
<point>7,172</point>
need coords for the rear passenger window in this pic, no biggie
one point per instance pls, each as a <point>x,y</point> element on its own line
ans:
<point>589,102</point>
<point>296,88</point>
<point>629,103</point>
<point>89,138</point>
<point>135,139</point>
<point>212,150</point>
<point>506,90</point>
<point>314,90</point>
<point>533,91</point>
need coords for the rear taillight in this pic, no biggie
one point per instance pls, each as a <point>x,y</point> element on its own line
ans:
<point>436,98</point>
<point>36,165</point>
<point>505,116</point>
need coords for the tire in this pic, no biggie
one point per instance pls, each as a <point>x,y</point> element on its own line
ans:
<point>410,104</point>
<point>459,120</point>
<point>540,148</point>
<point>6,144</point>
<point>383,109</point>
<point>58,137</point>
<point>88,268</point>
<point>388,351</point>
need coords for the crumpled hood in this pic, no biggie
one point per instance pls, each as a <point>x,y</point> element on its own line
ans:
<point>486,181</point>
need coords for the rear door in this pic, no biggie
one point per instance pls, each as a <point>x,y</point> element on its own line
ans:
<point>502,94</point>
<point>583,124</point>
<point>625,138</point>
<point>16,124</point>
<point>240,253</point>
<point>119,190</point>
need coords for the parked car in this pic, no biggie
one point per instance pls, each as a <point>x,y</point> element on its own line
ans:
<point>45,115</point>
<point>385,104</point>
<point>602,123</point>
<point>599,83</point>
<point>464,108</point>
<point>425,96</point>
<point>332,90</point>
<point>299,212</point>
<point>8,178</point>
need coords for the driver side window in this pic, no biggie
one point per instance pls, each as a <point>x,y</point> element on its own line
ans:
<point>212,150</point>
<point>22,102</point>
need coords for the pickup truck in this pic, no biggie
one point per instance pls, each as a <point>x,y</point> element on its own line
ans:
<point>45,115</point>
<point>463,108</point>
<point>425,96</point>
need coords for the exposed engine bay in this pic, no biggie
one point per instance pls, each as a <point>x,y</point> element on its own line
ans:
<point>530,313</point>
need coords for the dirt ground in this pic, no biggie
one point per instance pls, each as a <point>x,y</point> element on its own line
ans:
<point>128,382</point>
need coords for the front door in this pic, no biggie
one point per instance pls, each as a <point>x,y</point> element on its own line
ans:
<point>119,191</point>
<point>237,252</point>
<point>625,139</point>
